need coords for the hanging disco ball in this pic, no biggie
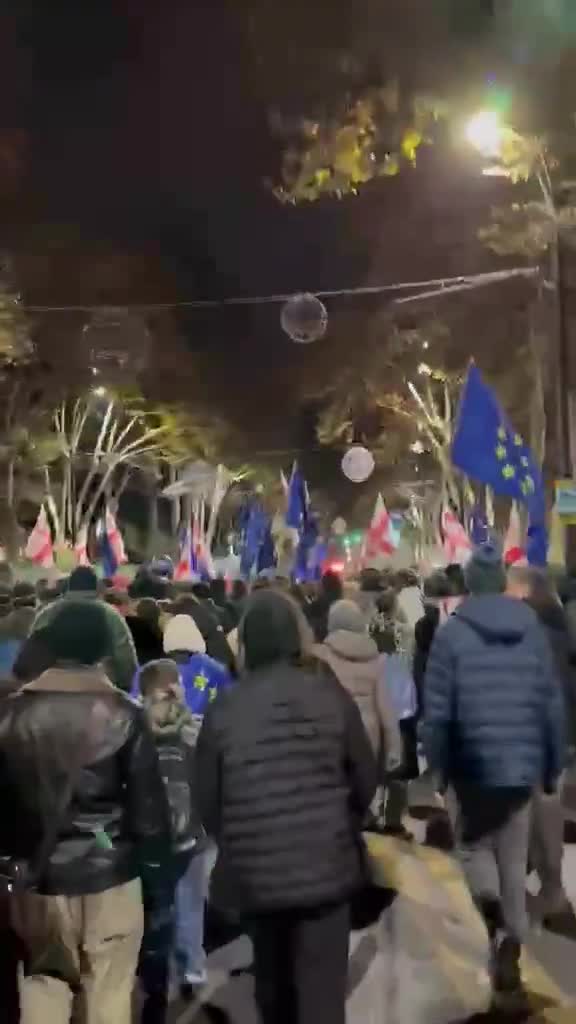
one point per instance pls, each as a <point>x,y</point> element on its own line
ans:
<point>358,464</point>
<point>304,319</point>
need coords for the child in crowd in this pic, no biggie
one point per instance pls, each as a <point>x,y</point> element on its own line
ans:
<point>202,677</point>
<point>174,898</point>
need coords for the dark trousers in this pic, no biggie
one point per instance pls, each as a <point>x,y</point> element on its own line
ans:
<point>159,891</point>
<point>10,957</point>
<point>301,965</point>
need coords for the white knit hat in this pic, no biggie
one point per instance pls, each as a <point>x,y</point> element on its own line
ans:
<point>182,634</point>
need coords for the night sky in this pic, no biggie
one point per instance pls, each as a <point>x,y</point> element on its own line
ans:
<point>135,147</point>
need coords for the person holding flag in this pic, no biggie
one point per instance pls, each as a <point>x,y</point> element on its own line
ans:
<point>494,718</point>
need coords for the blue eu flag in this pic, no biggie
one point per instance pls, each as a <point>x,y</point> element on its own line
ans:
<point>267,552</point>
<point>255,524</point>
<point>106,551</point>
<point>488,449</point>
<point>297,502</point>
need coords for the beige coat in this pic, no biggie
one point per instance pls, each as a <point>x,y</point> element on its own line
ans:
<point>354,659</point>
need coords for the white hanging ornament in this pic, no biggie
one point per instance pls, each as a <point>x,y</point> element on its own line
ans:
<point>304,318</point>
<point>358,464</point>
<point>339,526</point>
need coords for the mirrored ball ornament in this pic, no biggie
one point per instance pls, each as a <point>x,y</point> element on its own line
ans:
<point>304,318</point>
<point>358,464</point>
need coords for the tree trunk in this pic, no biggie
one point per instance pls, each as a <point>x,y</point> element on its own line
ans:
<point>537,343</point>
<point>175,510</point>
<point>153,526</point>
<point>10,484</point>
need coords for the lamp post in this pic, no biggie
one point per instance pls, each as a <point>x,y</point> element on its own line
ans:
<point>488,134</point>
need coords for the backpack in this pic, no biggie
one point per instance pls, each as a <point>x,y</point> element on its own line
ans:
<point>175,759</point>
<point>399,681</point>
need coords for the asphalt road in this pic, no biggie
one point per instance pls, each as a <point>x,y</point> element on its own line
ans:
<point>423,961</point>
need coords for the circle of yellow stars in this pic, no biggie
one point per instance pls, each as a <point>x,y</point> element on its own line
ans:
<point>513,465</point>
<point>201,683</point>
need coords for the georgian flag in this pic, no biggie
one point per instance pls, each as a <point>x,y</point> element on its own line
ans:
<point>183,570</point>
<point>457,543</point>
<point>81,547</point>
<point>110,544</point>
<point>381,539</point>
<point>39,548</point>
<point>115,538</point>
<point>514,551</point>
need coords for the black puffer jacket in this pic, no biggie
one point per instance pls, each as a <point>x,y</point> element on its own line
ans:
<point>118,818</point>
<point>285,774</point>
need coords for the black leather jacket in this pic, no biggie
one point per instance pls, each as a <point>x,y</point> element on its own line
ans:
<point>118,817</point>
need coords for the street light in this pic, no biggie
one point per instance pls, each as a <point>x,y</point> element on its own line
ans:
<point>487,133</point>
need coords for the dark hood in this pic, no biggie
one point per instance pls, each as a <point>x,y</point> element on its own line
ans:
<point>270,629</point>
<point>497,618</point>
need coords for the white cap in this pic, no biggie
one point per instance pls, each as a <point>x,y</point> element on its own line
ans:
<point>182,634</point>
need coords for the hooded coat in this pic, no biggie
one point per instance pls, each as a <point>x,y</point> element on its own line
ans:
<point>285,774</point>
<point>493,704</point>
<point>355,661</point>
<point>121,662</point>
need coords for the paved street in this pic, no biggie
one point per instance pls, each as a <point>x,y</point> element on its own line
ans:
<point>424,961</point>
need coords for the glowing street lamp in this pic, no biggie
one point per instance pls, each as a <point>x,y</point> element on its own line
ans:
<point>485,132</point>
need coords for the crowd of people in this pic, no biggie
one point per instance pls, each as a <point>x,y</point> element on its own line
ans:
<point>167,744</point>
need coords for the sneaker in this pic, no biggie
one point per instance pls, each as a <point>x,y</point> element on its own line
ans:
<point>505,965</point>
<point>191,985</point>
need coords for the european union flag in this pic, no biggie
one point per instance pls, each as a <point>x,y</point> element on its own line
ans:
<point>308,538</point>
<point>255,524</point>
<point>106,551</point>
<point>297,501</point>
<point>488,449</point>
<point>267,552</point>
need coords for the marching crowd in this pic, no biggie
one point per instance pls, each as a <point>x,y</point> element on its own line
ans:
<point>173,744</point>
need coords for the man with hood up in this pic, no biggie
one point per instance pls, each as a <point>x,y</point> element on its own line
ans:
<point>494,731</point>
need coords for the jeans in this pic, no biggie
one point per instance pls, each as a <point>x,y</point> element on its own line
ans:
<point>191,895</point>
<point>492,837</point>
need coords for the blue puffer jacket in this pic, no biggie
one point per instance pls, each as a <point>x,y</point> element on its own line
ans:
<point>493,705</point>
